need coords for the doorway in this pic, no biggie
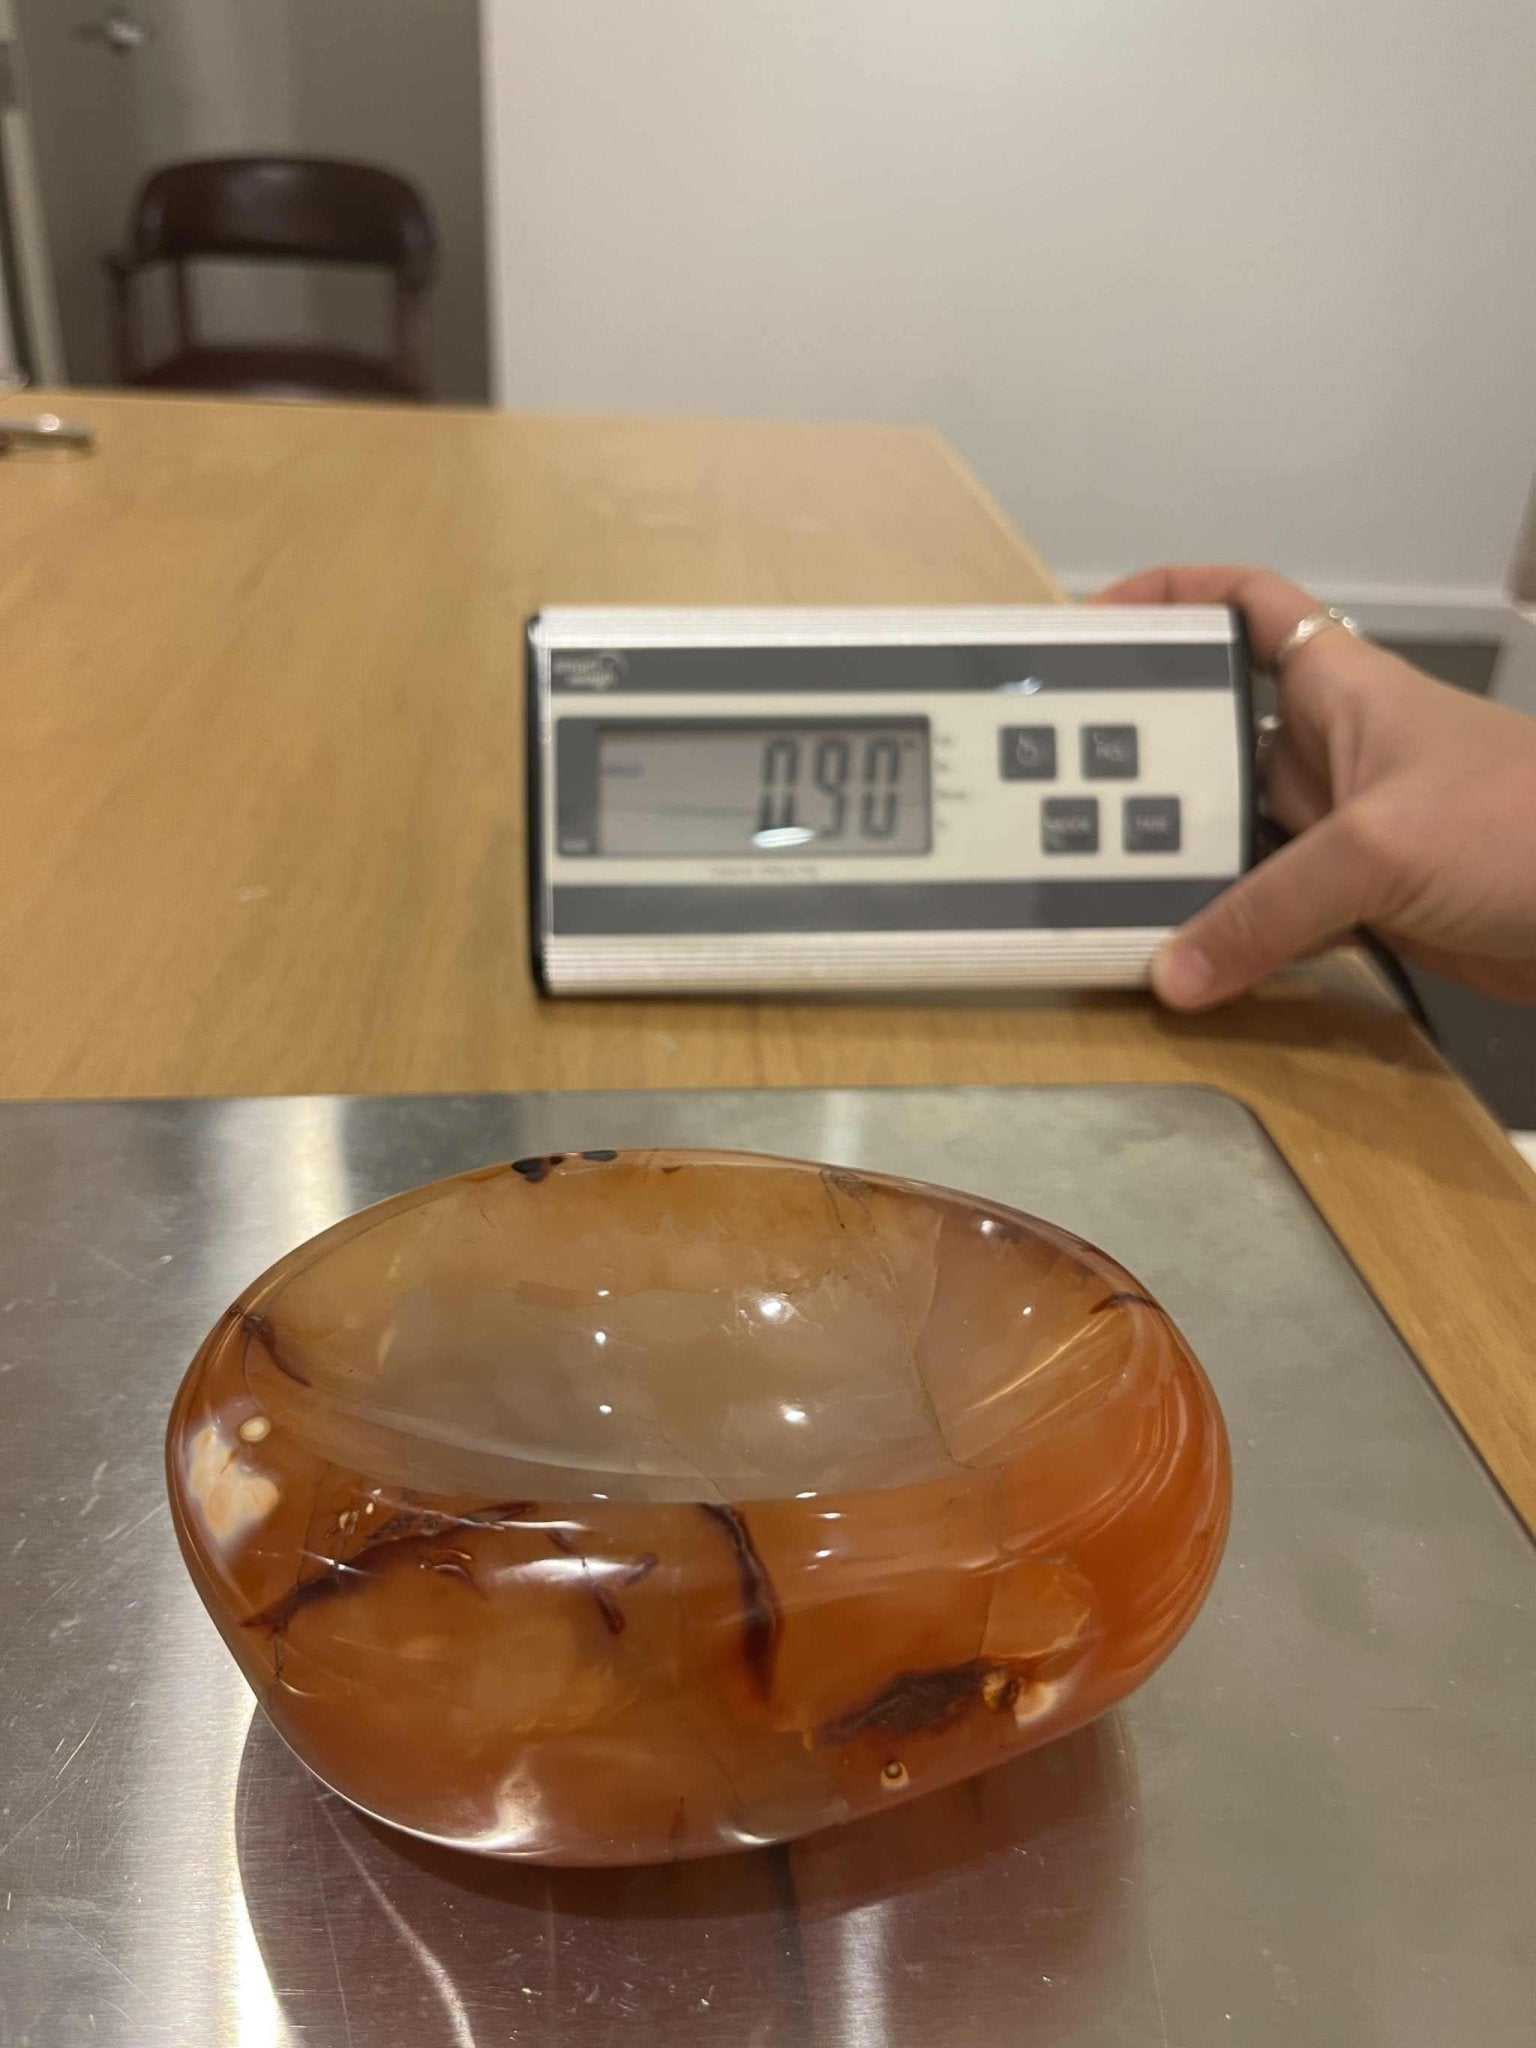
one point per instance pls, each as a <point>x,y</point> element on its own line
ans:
<point>116,88</point>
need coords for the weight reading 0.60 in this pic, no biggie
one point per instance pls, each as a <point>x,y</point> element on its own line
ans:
<point>861,781</point>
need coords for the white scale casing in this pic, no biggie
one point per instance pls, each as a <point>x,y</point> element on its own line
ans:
<point>1008,894</point>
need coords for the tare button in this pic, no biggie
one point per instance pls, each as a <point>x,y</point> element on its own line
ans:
<point>1153,824</point>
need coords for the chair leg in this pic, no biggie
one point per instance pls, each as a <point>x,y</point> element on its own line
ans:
<point>185,322</point>
<point>125,324</point>
<point>413,340</point>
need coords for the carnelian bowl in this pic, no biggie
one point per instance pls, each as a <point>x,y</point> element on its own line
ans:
<point>614,1507</point>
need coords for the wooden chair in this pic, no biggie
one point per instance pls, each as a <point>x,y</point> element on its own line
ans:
<point>303,209</point>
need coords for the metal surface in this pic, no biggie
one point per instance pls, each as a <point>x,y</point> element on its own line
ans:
<point>620,626</point>
<point>857,961</point>
<point>45,434</point>
<point>1313,1825</point>
<point>1306,630</point>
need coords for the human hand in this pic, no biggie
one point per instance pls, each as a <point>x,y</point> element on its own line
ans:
<point>1413,806</point>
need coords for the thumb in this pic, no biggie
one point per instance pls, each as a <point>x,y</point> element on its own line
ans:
<point>1309,892</point>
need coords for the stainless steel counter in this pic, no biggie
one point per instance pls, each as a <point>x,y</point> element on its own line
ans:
<point>1314,1825</point>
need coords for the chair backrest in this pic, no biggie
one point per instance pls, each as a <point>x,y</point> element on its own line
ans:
<point>308,209</point>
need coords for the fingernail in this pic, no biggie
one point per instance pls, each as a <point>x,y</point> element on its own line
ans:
<point>1182,976</point>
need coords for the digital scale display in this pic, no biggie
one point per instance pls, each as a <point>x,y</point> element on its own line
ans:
<point>988,797</point>
<point>851,787</point>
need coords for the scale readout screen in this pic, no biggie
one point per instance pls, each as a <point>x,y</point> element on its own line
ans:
<point>828,787</point>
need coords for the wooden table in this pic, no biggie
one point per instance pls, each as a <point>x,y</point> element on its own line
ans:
<point>260,812</point>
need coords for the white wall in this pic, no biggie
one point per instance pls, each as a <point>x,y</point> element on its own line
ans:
<point>1181,278</point>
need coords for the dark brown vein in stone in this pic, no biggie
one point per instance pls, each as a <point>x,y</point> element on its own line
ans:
<point>323,1586</point>
<point>260,1328</point>
<point>407,1524</point>
<point>628,1575</point>
<point>760,1616</point>
<point>406,1527</point>
<point>914,1702</point>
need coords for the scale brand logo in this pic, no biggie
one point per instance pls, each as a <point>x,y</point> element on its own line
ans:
<point>586,671</point>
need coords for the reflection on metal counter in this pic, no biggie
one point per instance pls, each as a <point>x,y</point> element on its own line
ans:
<point>1312,1825</point>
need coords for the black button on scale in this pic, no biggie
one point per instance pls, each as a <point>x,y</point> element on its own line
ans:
<point>1110,753</point>
<point>1152,824</point>
<point>1069,824</point>
<point>1027,753</point>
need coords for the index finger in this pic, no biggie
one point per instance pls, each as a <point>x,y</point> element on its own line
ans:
<point>1270,604</point>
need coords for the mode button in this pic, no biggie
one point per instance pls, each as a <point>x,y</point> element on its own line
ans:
<point>1069,824</point>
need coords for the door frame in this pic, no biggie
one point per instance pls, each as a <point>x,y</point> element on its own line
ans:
<point>23,235</point>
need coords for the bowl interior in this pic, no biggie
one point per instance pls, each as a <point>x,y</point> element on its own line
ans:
<point>680,1325</point>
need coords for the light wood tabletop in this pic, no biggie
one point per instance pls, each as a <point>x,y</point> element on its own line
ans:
<point>261,812</point>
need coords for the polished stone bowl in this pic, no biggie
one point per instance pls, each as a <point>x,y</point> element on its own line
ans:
<point>605,1508</point>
